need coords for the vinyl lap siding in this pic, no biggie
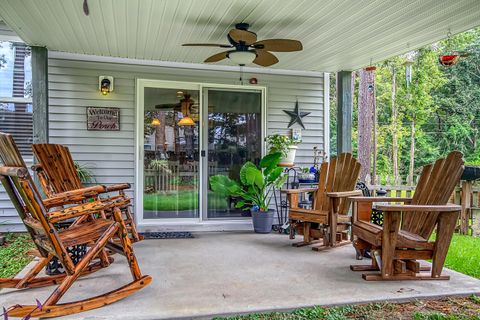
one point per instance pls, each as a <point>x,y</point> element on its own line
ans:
<point>73,86</point>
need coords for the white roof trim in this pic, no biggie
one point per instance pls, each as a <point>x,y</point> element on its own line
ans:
<point>182,65</point>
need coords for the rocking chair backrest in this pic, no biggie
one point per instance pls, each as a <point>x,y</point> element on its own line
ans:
<point>435,187</point>
<point>27,201</point>
<point>56,161</point>
<point>340,174</point>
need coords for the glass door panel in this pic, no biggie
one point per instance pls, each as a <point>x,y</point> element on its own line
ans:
<point>234,137</point>
<point>171,153</point>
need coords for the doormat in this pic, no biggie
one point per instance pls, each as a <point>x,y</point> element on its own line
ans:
<point>167,235</point>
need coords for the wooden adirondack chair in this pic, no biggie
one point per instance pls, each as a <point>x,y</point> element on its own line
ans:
<point>329,219</point>
<point>57,174</point>
<point>97,234</point>
<point>405,235</point>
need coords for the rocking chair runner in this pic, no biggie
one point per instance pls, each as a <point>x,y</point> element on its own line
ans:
<point>57,174</point>
<point>96,233</point>
<point>328,220</point>
<point>405,235</point>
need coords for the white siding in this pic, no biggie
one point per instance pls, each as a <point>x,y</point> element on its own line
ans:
<point>73,86</point>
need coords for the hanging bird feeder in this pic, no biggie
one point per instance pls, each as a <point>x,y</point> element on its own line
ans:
<point>450,59</point>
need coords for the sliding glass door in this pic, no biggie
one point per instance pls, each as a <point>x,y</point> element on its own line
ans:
<point>171,164</point>
<point>187,132</point>
<point>233,137</point>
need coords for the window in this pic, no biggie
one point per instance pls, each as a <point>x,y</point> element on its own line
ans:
<point>16,116</point>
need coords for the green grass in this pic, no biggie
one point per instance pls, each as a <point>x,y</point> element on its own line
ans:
<point>181,200</point>
<point>447,309</point>
<point>13,255</point>
<point>464,255</point>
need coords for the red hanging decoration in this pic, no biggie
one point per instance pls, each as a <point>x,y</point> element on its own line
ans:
<point>451,59</point>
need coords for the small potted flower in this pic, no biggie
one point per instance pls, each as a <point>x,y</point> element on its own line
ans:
<point>285,146</point>
<point>254,188</point>
<point>308,175</point>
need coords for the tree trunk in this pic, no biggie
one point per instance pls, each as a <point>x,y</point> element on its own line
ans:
<point>412,152</point>
<point>365,122</point>
<point>375,149</point>
<point>394,125</point>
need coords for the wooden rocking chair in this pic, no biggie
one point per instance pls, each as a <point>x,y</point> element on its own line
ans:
<point>329,219</point>
<point>39,221</point>
<point>405,235</point>
<point>57,174</point>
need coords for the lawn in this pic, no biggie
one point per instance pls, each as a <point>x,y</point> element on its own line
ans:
<point>447,309</point>
<point>464,255</point>
<point>13,254</point>
<point>181,200</point>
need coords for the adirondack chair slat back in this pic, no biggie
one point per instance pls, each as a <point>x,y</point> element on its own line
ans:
<point>28,202</point>
<point>435,187</point>
<point>340,174</point>
<point>56,161</point>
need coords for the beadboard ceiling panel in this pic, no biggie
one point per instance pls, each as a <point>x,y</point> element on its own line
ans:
<point>336,34</point>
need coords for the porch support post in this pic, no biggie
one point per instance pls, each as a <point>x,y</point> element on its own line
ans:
<point>40,94</point>
<point>344,111</point>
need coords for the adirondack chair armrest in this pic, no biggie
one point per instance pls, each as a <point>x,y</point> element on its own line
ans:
<point>380,199</point>
<point>73,196</point>
<point>117,187</point>
<point>419,208</point>
<point>344,194</point>
<point>301,190</point>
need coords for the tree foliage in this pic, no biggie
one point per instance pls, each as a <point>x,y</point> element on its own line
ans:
<point>442,102</point>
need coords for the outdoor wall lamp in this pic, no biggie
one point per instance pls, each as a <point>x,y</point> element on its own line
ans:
<point>105,84</point>
<point>155,122</point>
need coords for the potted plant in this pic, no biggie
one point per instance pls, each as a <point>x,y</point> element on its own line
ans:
<point>308,175</point>
<point>254,189</point>
<point>286,146</point>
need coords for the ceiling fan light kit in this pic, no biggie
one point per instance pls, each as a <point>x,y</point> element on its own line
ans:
<point>245,49</point>
<point>242,57</point>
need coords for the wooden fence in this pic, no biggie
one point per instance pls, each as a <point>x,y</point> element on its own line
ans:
<point>466,194</point>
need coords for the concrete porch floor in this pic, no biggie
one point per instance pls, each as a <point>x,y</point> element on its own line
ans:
<point>232,273</point>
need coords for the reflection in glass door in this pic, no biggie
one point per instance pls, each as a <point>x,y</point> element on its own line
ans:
<point>171,153</point>
<point>234,137</point>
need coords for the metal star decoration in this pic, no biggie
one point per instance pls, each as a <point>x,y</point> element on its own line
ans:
<point>296,116</point>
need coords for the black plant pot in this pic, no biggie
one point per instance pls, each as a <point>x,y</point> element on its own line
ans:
<point>263,221</point>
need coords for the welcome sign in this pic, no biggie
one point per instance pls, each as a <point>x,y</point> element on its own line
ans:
<point>103,119</point>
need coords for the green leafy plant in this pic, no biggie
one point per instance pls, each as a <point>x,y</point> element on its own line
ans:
<point>279,143</point>
<point>255,185</point>
<point>84,173</point>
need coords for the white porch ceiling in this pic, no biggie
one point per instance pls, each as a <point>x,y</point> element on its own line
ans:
<point>336,34</point>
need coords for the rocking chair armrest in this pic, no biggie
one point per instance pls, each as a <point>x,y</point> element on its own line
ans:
<point>380,199</point>
<point>419,208</point>
<point>300,190</point>
<point>344,194</point>
<point>117,187</point>
<point>73,196</point>
<point>89,208</point>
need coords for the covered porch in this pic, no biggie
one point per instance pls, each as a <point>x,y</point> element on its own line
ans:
<point>241,272</point>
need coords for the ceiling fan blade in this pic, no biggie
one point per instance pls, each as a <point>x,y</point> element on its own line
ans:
<point>167,106</point>
<point>279,45</point>
<point>243,35</point>
<point>265,58</point>
<point>207,45</point>
<point>217,57</point>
